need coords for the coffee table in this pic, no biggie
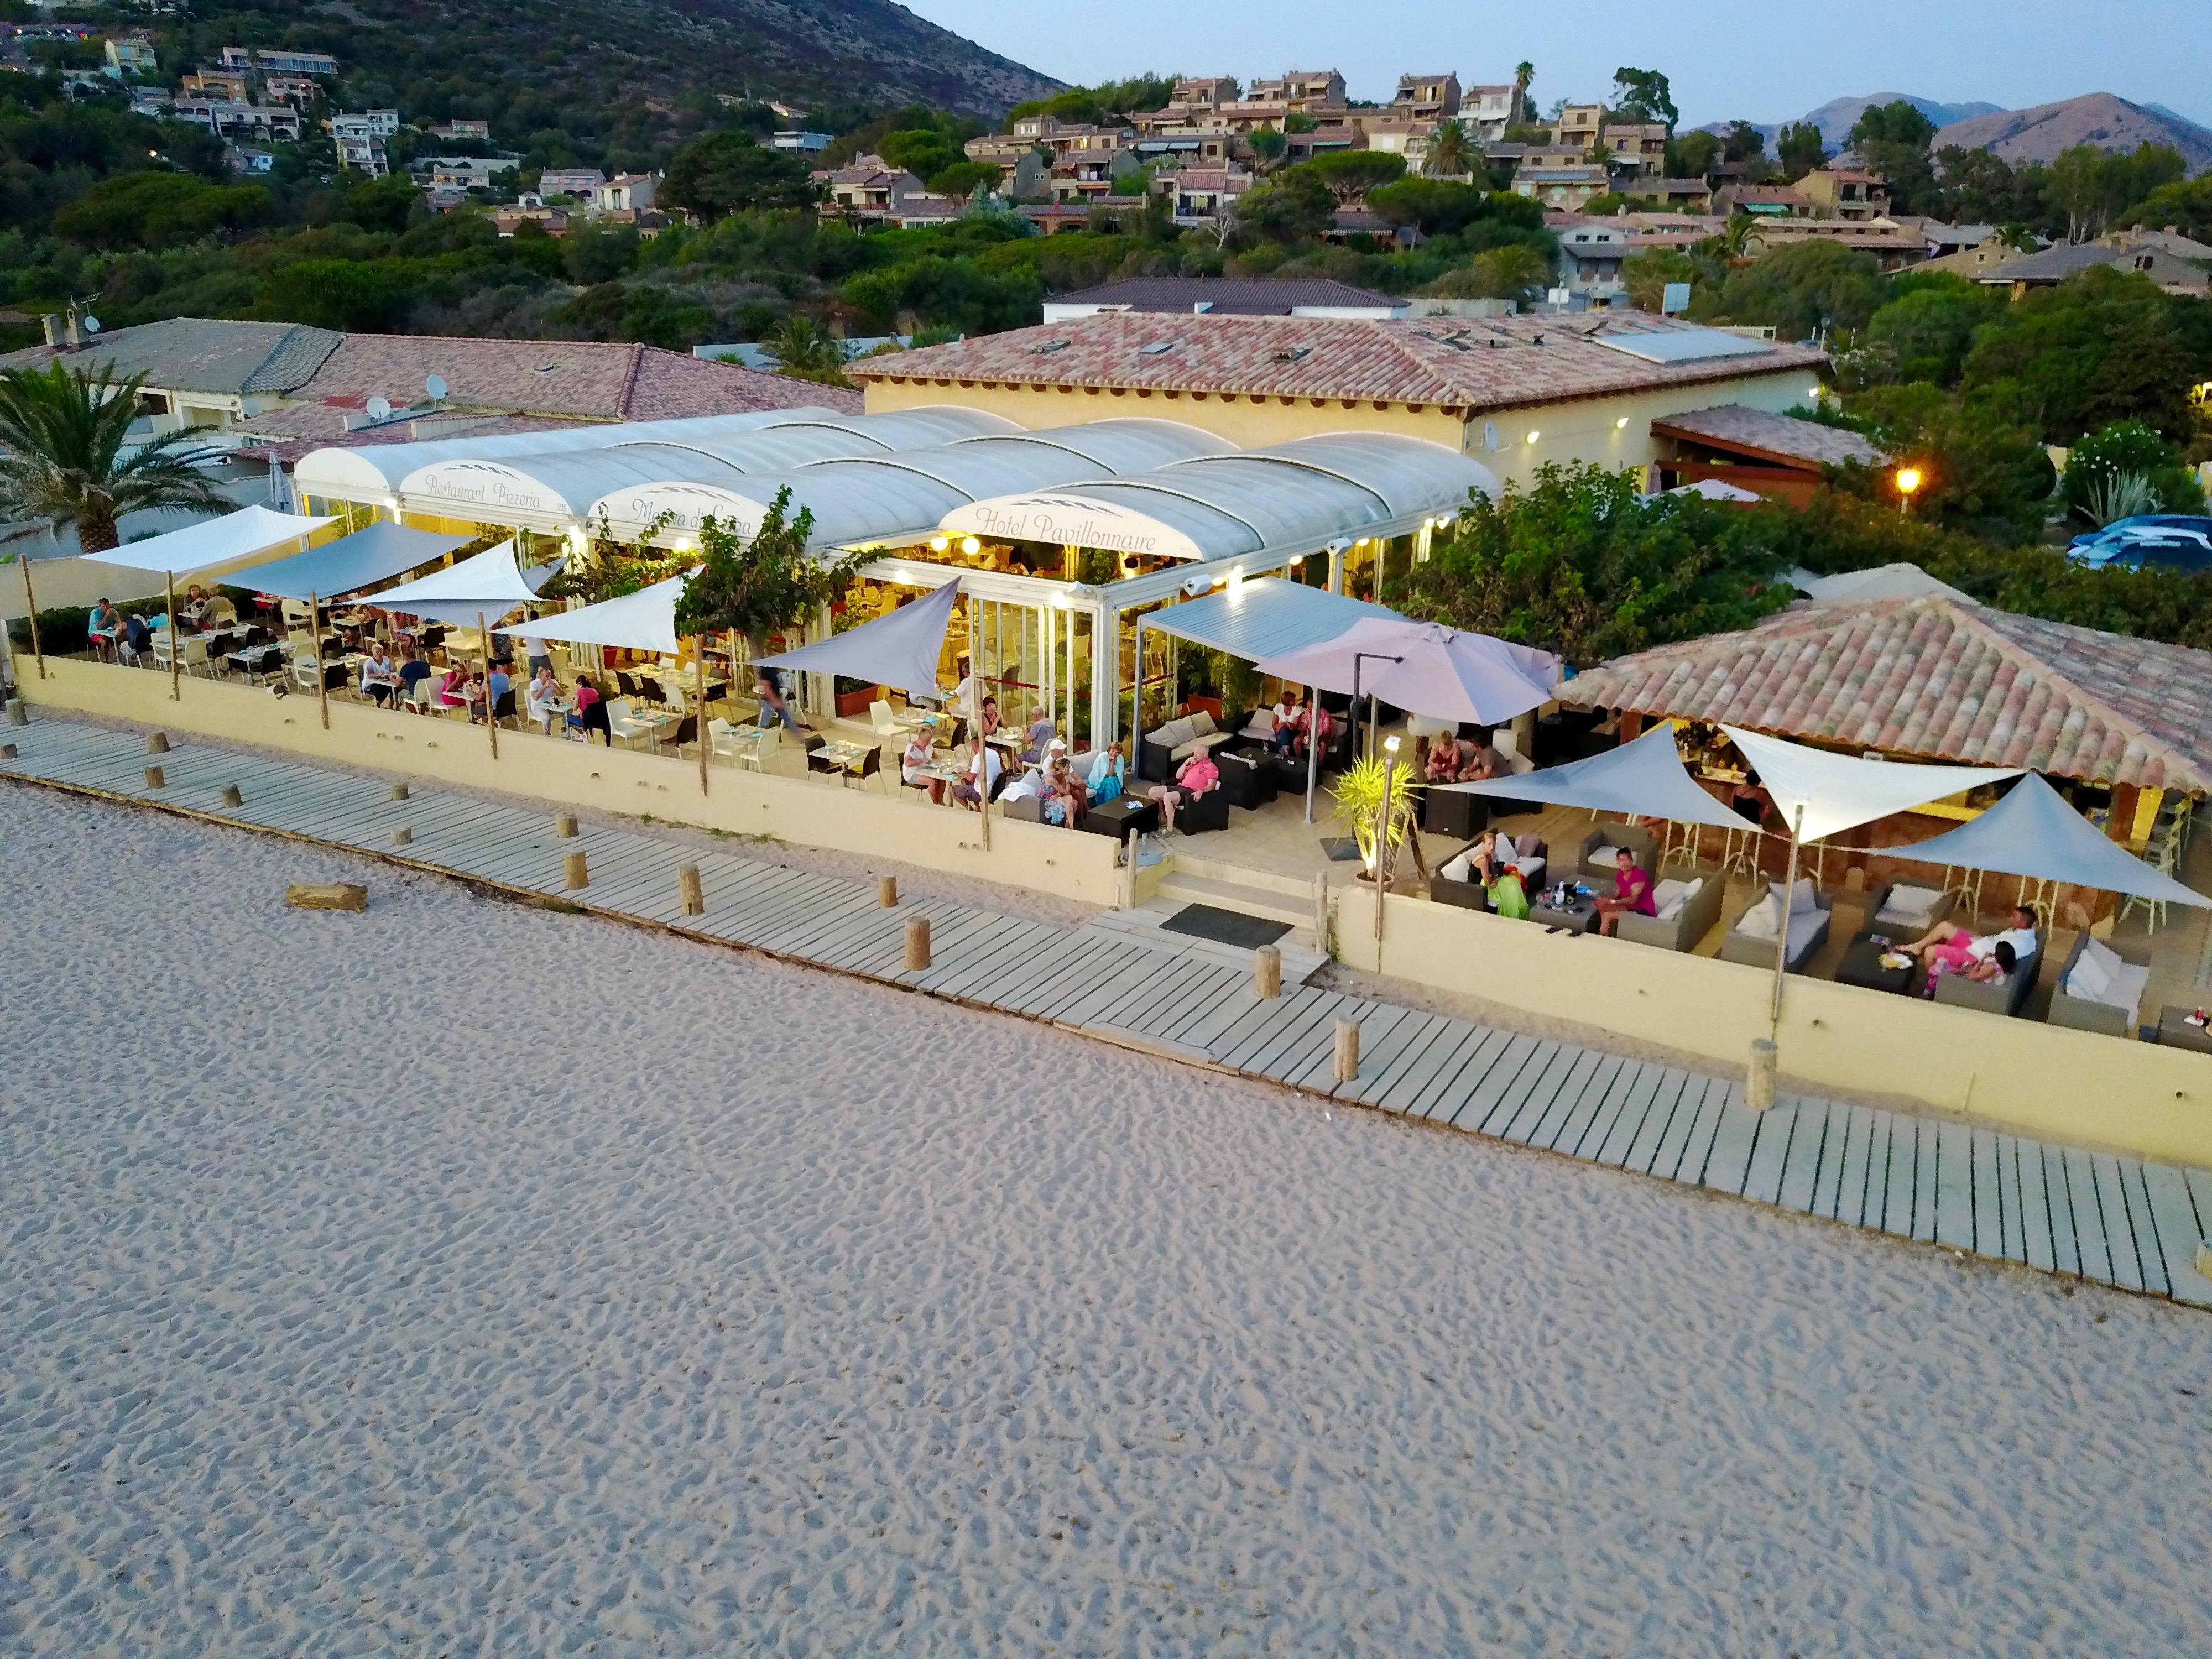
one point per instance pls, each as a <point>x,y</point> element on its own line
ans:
<point>1861,965</point>
<point>1118,816</point>
<point>1577,918</point>
<point>2174,1029</point>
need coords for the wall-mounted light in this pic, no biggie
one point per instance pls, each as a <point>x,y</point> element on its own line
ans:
<point>939,543</point>
<point>970,546</point>
<point>1532,437</point>
<point>1297,559</point>
<point>1621,425</point>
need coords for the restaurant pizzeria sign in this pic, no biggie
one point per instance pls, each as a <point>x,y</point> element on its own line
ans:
<point>1072,521</point>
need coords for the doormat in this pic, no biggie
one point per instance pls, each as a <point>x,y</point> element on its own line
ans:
<point>1226,926</point>
<point>1339,849</point>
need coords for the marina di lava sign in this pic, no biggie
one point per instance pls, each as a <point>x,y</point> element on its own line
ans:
<point>1073,521</point>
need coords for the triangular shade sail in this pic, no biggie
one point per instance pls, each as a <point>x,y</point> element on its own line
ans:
<point>643,621</point>
<point>901,650</point>
<point>487,584</point>
<point>367,557</point>
<point>2032,832</point>
<point>1836,791</point>
<point>198,547</point>
<point>1445,674</point>
<point>1643,779</point>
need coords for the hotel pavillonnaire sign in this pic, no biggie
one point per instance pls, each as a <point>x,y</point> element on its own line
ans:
<point>1072,521</point>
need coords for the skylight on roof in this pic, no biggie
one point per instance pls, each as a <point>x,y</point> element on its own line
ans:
<point>1155,348</point>
<point>1686,346</point>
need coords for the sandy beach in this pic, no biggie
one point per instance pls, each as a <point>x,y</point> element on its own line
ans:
<point>465,1278</point>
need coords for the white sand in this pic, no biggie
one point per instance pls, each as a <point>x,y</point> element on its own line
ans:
<point>466,1279</point>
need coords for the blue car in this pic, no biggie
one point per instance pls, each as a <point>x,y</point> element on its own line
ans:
<point>2169,541</point>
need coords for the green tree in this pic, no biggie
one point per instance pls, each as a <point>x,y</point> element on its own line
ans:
<point>1436,207</point>
<point>383,203</point>
<point>805,350</point>
<point>1646,275</point>
<point>2082,187</point>
<point>1267,145</point>
<point>2123,458</point>
<point>1894,123</point>
<point>158,210</point>
<point>2101,347</point>
<point>764,585</point>
<point>1801,286</point>
<point>1347,175</point>
<point>1925,331</point>
<point>2187,204</point>
<point>1799,149</point>
<point>1448,152</point>
<point>355,296</point>
<point>1981,458</point>
<point>921,150</point>
<point>1692,154</point>
<point>61,436</point>
<point>963,179</point>
<point>1643,95</point>
<point>1583,563</point>
<point>727,173</point>
<point>1293,206</point>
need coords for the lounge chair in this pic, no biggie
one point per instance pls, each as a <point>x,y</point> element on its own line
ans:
<point>1686,915</point>
<point>2008,999</point>
<point>1905,911</point>
<point>1247,776</point>
<point>1809,930</point>
<point>1596,857</point>
<point>1166,747</point>
<point>2101,987</point>
<point>1455,883</point>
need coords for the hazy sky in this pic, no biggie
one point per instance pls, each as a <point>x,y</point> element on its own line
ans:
<point>1768,62</point>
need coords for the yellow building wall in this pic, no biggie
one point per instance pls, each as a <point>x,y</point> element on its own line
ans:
<point>1579,429</point>
<point>805,811</point>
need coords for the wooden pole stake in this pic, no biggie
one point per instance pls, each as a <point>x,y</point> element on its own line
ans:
<point>917,944</point>
<point>1267,972</point>
<point>1347,1050</point>
<point>233,796</point>
<point>17,713</point>
<point>7,751</point>
<point>322,668</point>
<point>491,703</point>
<point>175,696</point>
<point>887,892</point>
<point>401,835</point>
<point>688,890</point>
<point>1758,1080</point>
<point>564,826</point>
<point>155,780</point>
<point>1781,940</point>
<point>399,791</point>
<point>698,680</point>
<point>157,743</point>
<point>338,896</point>
<point>578,876</point>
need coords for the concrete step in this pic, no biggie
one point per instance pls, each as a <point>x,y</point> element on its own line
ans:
<point>1244,875</point>
<point>1182,885</point>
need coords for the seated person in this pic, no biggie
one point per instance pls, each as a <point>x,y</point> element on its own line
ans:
<point>1059,774</point>
<point>1039,734</point>
<point>1196,776</point>
<point>1109,774</point>
<point>138,639</point>
<point>1507,895</point>
<point>1286,713</point>
<point>102,627</point>
<point>379,675</point>
<point>1481,762</point>
<point>1947,949</point>
<point>1631,893</point>
<point>988,720</point>
<point>582,722</point>
<point>1493,855</point>
<point>543,693</point>
<point>1449,760</point>
<point>985,763</point>
<point>414,672</point>
<point>195,603</point>
<point>920,749</point>
<point>1995,968</point>
<point>454,689</point>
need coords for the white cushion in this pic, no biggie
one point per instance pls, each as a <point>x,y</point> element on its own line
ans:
<point>1201,723</point>
<point>1262,724</point>
<point>1604,856</point>
<point>1763,920</point>
<point>1672,897</point>
<point>2090,979</point>
<point>1909,901</point>
<point>1800,896</point>
<point>2106,957</point>
<point>1458,869</point>
<point>2126,990</point>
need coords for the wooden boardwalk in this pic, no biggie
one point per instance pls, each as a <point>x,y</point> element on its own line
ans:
<point>2112,1220</point>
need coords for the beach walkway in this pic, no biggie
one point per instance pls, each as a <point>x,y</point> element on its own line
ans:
<point>2112,1220</point>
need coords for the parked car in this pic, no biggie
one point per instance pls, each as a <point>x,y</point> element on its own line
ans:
<point>2173,541</point>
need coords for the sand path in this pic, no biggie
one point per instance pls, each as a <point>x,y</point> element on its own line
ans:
<point>464,1277</point>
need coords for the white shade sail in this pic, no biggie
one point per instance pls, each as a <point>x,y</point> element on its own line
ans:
<point>490,577</point>
<point>1446,674</point>
<point>2032,832</point>
<point>901,650</point>
<point>222,541</point>
<point>643,621</point>
<point>1836,792</point>
<point>1643,779</point>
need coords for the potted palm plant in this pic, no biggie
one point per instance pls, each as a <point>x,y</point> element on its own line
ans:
<point>1359,791</point>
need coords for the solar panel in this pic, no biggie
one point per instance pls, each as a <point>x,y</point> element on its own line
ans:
<point>1686,346</point>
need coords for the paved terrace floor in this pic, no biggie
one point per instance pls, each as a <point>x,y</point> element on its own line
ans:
<point>2105,1217</point>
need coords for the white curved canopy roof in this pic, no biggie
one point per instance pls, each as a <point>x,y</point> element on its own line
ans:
<point>885,497</point>
<point>1290,497</point>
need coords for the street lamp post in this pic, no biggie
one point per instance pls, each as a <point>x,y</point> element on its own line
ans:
<point>1908,481</point>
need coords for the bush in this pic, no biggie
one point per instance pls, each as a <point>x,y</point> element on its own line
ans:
<point>2102,464</point>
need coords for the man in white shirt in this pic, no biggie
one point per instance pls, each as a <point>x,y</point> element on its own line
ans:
<point>962,701</point>
<point>1945,948</point>
<point>965,791</point>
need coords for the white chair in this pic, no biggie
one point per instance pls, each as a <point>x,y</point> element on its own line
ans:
<point>622,723</point>
<point>221,609</point>
<point>191,653</point>
<point>423,695</point>
<point>766,741</point>
<point>725,740</point>
<point>885,722</point>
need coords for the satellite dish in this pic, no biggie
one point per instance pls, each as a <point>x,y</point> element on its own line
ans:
<point>92,324</point>
<point>435,386</point>
<point>379,408</point>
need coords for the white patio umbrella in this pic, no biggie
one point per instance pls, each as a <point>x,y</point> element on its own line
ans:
<point>1446,674</point>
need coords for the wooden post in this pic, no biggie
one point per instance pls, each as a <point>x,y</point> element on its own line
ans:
<point>1347,1050</point>
<point>1129,873</point>
<point>175,668</point>
<point>917,943</point>
<point>1267,972</point>
<point>564,826</point>
<point>232,796</point>
<point>322,668</point>
<point>399,791</point>
<point>1386,861</point>
<point>31,611</point>
<point>975,724</point>
<point>7,751</point>
<point>491,703</point>
<point>578,876</point>
<point>157,743</point>
<point>1758,1080</point>
<point>17,713</point>
<point>403,835</point>
<point>155,780</point>
<point>887,892</point>
<point>1782,940</point>
<point>1321,911</point>
<point>698,680</point>
<point>688,890</point>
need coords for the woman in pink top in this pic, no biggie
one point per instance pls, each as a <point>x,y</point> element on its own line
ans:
<point>1198,774</point>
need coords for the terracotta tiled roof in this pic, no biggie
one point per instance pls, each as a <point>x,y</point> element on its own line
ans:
<point>1780,437</point>
<point>200,354</point>
<point>1929,677</point>
<point>1247,295</point>
<point>1494,362</point>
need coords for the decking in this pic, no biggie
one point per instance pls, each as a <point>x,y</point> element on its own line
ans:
<point>2111,1220</point>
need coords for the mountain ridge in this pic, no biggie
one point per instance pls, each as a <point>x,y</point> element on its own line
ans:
<point>2102,119</point>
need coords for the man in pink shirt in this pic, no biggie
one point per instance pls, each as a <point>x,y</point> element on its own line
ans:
<point>1632,893</point>
<point>1198,774</point>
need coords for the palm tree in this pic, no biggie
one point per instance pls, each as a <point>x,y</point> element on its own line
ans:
<point>62,435</point>
<point>805,350</point>
<point>1524,73</point>
<point>1448,151</point>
